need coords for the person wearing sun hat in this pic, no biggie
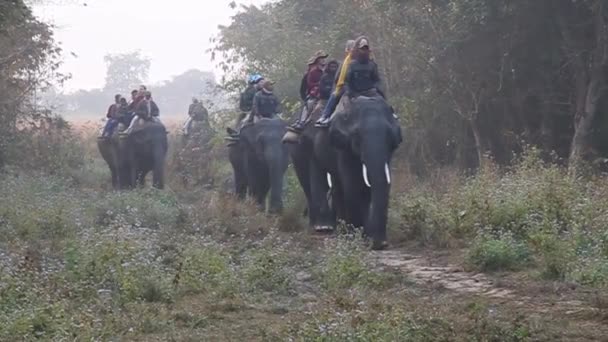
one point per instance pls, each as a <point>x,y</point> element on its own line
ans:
<point>310,88</point>
<point>338,91</point>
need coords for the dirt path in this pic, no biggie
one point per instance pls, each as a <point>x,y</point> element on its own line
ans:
<point>422,271</point>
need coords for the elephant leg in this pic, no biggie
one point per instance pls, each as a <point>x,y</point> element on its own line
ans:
<point>257,179</point>
<point>337,200</point>
<point>239,171</point>
<point>262,191</point>
<point>240,183</point>
<point>319,190</point>
<point>115,178</point>
<point>356,195</point>
<point>158,173</point>
<point>301,168</point>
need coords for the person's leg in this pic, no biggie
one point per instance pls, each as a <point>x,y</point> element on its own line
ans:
<point>132,124</point>
<point>329,108</point>
<point>109,127</point>
<point>332,104</point>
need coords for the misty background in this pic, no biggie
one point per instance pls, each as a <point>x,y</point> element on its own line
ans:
<point>112,46</point>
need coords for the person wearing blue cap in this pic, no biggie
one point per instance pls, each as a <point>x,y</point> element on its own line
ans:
<point>246,100</point>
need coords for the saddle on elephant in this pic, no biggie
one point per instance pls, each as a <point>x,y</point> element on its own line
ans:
<point>233,134</point>
<point>293,135</point>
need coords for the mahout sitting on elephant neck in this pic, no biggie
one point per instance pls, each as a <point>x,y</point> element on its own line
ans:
<point>259,161</point>
<point>130,157</point>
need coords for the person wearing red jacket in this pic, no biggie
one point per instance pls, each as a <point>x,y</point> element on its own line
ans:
<point>312,81</point>
<point>112,116</point>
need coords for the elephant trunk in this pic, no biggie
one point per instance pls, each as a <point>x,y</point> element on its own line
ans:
<point>377,176</point>
<point>276,159</point>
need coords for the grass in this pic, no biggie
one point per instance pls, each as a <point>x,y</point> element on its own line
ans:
<point>533,215</point>
<point>79,262</point>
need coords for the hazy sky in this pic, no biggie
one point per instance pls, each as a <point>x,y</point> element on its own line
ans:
<point>173,33</point>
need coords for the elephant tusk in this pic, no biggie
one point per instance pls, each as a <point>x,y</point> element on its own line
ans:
<point>365,176</point>
<point>329,180</point>
<point>387,171</point>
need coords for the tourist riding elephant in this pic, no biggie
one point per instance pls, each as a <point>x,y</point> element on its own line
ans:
<point>131,157</point>
<point>259,161</point>
<point>365,139</point>
<point>315,164</point>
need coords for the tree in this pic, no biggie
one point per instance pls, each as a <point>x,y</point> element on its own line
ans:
<point>468,77</point>
<point>125,72</point>
<point>29,59</point>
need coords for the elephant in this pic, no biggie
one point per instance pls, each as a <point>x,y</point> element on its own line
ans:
<point>315,164</point>
<point>131,157</point>
<point>259,162</point>
<point>366,136</point>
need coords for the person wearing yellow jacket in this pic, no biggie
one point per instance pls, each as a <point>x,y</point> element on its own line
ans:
<point>339,86</point>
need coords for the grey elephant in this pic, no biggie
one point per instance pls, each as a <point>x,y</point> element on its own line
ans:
<point>315,162</point>
<point>259,162</point>
<point>131,157</point>
<point>365,140</point>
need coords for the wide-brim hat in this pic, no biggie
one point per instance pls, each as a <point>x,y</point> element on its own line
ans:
<point>318,55</point>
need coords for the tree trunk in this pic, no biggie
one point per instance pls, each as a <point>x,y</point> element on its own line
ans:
<point>479,146</point>
<point>590,68</point>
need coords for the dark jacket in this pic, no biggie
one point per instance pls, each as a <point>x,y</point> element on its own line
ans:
<point>197,111</point>
<point>144,112</point>
<point>327,85</point>
<point>362,77</point>
<point>135,103</point>
<point>265,105</point>
<point>246,100</point>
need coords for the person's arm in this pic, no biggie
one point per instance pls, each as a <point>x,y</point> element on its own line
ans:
<point>304,87</point>
<point>347,80</point>
<point>110,112</point>
<point>313,82</point>
<point>254,109</point>
<point>337,76</point>
<point>242,105</point>
<point>191,109</point>
<point>155,109</point>
<point>378,81</point>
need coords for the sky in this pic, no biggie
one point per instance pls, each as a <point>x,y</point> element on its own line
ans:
<point>174,34</point>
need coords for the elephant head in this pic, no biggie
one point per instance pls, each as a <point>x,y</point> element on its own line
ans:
<point>369,135</point>
<point>142,151</point>
<point>266,160</point>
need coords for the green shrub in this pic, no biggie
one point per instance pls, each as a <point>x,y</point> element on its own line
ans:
<point>498,253</point>
<point>266,268</point>
<point>207,269</point>
<point>344,265</point>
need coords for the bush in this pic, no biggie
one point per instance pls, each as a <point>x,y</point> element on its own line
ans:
<point>500,253</point>
<point>265,268</point>
<point>207,269</point>
<point>531,213</point>
<point>345,267</point>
